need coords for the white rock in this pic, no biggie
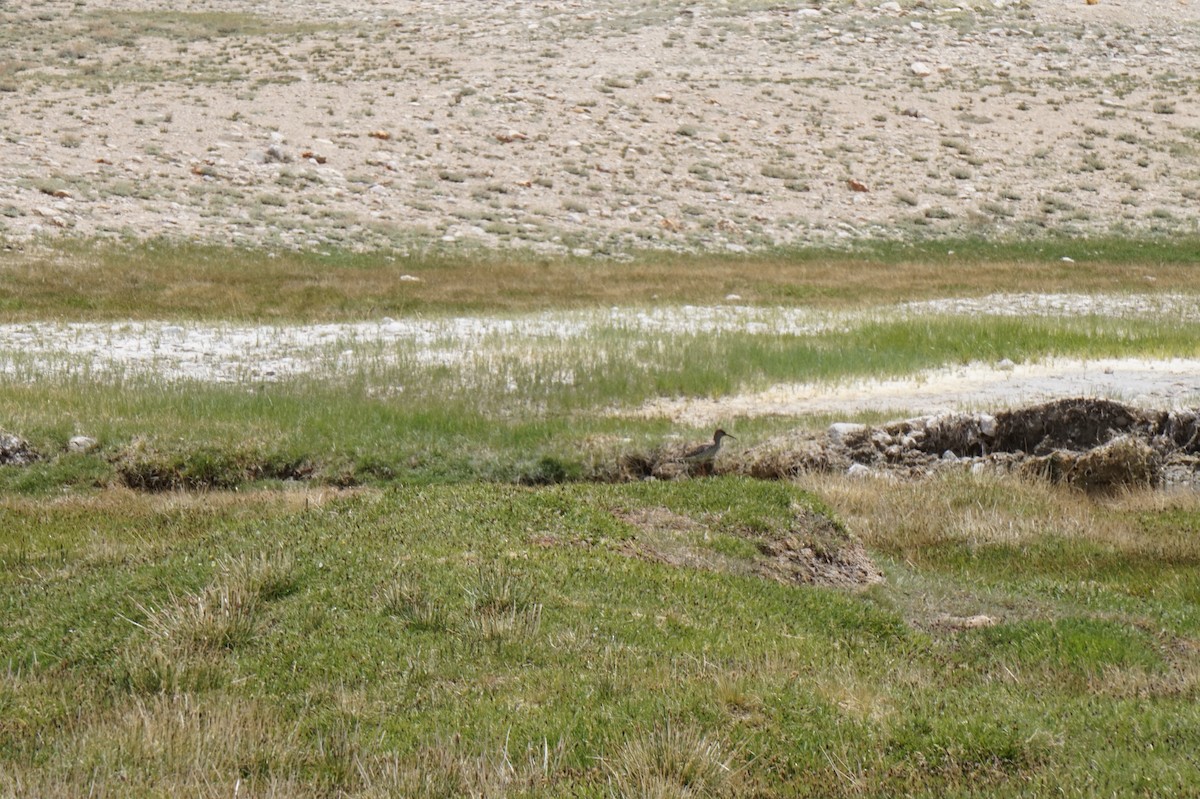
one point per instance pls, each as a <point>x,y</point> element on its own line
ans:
<point>15,450</point>
<point>82,444</point>
<point>920,69</point>
<point>967,622</point>
<point>1006,365</point>
<point>918,424</point>
<point>858,470</point>
<point>840,431</point>
<point>987,424</point>
<point>277,153</point>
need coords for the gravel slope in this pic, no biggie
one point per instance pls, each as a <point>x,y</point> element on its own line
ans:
<point>596,127</point>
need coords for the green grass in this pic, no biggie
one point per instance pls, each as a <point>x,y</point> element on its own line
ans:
<point>245,624</point>
<point>503,413</point>
<point>444,641</point>
<point>84,279</point>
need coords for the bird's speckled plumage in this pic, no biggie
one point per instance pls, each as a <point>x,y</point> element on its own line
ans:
<point>706,452</point>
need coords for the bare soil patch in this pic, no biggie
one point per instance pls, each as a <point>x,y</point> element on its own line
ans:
<point>813,550</point>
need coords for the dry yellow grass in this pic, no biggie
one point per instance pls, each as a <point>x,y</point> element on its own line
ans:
<point>141,504</point>
<point>904,518</point>
<point>96,281</point>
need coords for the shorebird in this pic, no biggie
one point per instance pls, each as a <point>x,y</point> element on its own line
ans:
<point>706,452</point>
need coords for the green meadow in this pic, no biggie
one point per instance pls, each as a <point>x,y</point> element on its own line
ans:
<point>326,586</point>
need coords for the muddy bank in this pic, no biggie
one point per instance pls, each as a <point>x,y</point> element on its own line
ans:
<point>1091,443</point>
<point>813,549</point>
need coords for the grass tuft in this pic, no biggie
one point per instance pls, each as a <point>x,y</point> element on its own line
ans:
<point>405,599</point>
<point>501,606</point>
<point>671,761</point>
<point>187,634</point>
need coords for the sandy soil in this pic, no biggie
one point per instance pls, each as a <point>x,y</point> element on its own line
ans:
<point>1138,381</point>
<point>596,127</point>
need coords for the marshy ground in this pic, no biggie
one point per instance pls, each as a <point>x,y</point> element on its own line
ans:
<point>311,556</point>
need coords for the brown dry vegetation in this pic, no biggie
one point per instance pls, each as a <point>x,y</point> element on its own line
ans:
<point>907,520</point>
<point>96,281</point>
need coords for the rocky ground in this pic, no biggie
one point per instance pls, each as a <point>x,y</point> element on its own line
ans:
<point>1091,443</point>
<point>596,127</point>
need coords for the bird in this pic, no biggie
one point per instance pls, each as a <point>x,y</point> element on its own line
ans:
<point>705,453</point>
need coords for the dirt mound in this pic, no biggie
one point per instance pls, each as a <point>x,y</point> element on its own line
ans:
<point>816,551</point>
<point>15,451</point>
<point>812,550</point>
<point>1124,461</point>
<point>1095,444</point>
